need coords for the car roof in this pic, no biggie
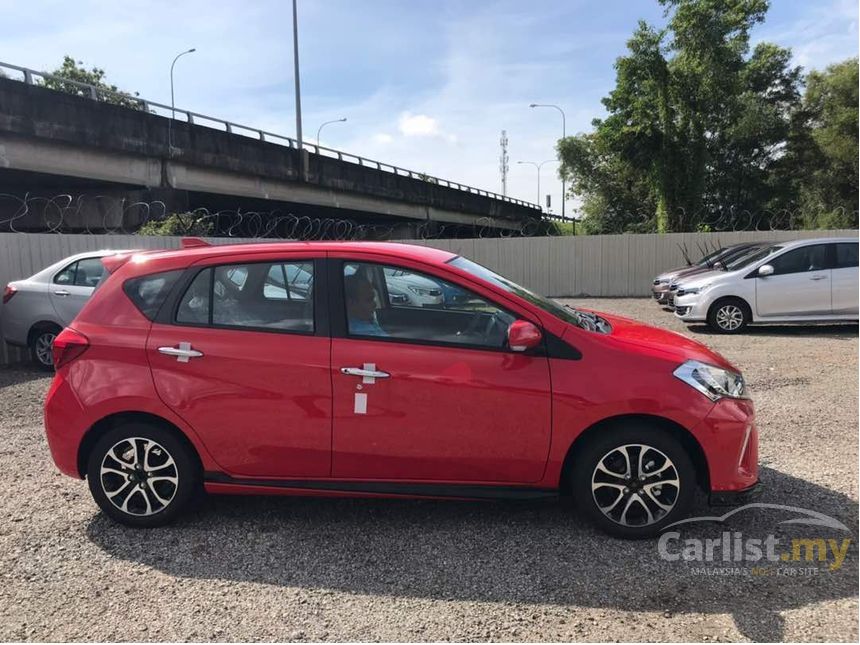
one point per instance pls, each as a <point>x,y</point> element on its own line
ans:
<point>399,249</point>
<point>48,271</point>
<point>790,244</point>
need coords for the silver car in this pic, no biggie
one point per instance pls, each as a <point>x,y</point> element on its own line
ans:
<point>36,309</point>
<point>787,282</point>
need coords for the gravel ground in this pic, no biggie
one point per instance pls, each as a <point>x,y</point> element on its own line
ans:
<point>315,569</point>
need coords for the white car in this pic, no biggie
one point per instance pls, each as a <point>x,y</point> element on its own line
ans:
<point>36,309</point>
<point>421,291</point>
<point>788,282</point>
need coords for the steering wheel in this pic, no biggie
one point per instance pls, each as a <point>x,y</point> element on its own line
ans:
<point>474,324</point>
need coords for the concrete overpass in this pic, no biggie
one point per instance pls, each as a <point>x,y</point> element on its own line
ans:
<point>52,142</point>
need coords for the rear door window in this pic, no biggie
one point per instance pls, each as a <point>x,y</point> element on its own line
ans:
<point>274,296</point>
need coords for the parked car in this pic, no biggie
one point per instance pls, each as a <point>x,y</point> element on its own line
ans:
<point>36,309</point>
<point>421,291</point>
<point>790,282</point>
<point>660,287</point>
<point>174,378</point>
<point>731,256</point>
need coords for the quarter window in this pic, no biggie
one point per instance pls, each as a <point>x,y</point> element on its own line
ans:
<point>806,258</point>
<point>397,303</point>
<point>264,296</point>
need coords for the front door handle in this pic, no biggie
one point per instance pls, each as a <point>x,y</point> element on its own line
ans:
<point>61,292</point>
<point>182,353</point>
<point>818,277</point>
<point>367,371</point>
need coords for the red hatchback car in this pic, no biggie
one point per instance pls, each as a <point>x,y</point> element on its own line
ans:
<point>374,369</point>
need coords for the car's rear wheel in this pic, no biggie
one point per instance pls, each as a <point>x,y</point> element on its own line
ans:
<point>142,475</point>
<point>41,346</point>
<point>729,315</point>
<point>633,480</point>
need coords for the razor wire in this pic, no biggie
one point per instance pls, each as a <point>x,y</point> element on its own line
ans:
<point>107,214</point>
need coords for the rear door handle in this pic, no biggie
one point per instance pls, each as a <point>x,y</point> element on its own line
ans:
<point>182,353</point>
<point>61,292</point>
<point>368,371</point>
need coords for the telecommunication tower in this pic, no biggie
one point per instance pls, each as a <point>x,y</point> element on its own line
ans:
<point>503,162</point>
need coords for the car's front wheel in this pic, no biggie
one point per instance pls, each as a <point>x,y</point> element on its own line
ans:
<point>142,475</point>
<point>729,315</point>
<point>633,480</point>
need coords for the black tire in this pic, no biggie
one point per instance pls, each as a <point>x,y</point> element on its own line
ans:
<point>610,444</point>
<point>132,498</point>
<point>729,315</point>
<point>41,340</point>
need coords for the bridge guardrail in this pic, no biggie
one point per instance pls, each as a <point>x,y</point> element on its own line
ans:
<point>96,93</point>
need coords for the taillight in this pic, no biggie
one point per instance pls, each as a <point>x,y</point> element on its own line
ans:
<point>68,345</point>
<point>8,292</point>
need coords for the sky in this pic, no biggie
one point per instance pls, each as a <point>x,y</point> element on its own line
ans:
<point>427,85</point>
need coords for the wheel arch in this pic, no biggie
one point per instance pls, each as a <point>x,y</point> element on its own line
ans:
<point>41,325</point>
<point>743,301</point>
<point>116,419</point>
<point>687,440</point>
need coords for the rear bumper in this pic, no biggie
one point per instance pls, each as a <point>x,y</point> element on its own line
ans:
<point>736,497</point>
<point>63,413</point>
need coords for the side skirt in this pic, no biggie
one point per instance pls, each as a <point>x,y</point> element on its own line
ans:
<point>389,489</point>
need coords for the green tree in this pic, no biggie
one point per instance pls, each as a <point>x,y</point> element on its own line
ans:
<point>826,148</point>
<point>178,224</point>
<point>696,124</point>
<point>72,70</point>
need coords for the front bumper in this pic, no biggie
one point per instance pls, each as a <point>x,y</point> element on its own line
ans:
<point>736,497</point>
<point>691,308</point>
<point>660,293</point>
<point>729,439</point>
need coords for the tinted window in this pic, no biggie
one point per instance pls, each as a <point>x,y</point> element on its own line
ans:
<point>846,255</point>
<point>276,296</point>
<point>89,272</point>
<point>67,275</point>
<point>83,273</point>
<point>752,257</point>
<point>149,292</point>
<point>398,303</point>
<point>806,258</point>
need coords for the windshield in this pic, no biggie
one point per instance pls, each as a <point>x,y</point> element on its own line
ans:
<point>708,260</point>
<point>746,260</point>
<point>568,314</point>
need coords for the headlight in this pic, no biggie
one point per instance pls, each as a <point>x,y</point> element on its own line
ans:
<point>684,291</point>
<point>712,381</point>
<point>424,291</point>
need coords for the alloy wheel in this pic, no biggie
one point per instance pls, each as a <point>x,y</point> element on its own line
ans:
<point>139,476</point>
<point>729,317</point>
<point>635,485</point>
<point>43,348</point>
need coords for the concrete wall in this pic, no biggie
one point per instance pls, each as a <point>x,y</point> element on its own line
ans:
<point>599,265</point>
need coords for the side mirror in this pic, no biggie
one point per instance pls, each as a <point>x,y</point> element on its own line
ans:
<point>523,335</point>
<point>718,265</point>
<point>765,269</point>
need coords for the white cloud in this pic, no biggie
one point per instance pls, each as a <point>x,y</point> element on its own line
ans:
<point>418,125</point>
<point>383,138</point>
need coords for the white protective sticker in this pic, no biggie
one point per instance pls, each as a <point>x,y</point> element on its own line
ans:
<point>360,403</point>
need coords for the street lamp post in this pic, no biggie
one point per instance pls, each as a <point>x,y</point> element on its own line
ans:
<point>563,135</point>
<point>298,89</point>
<point>341,120</point>
<point>172,100</point>
<point>538,166</point>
